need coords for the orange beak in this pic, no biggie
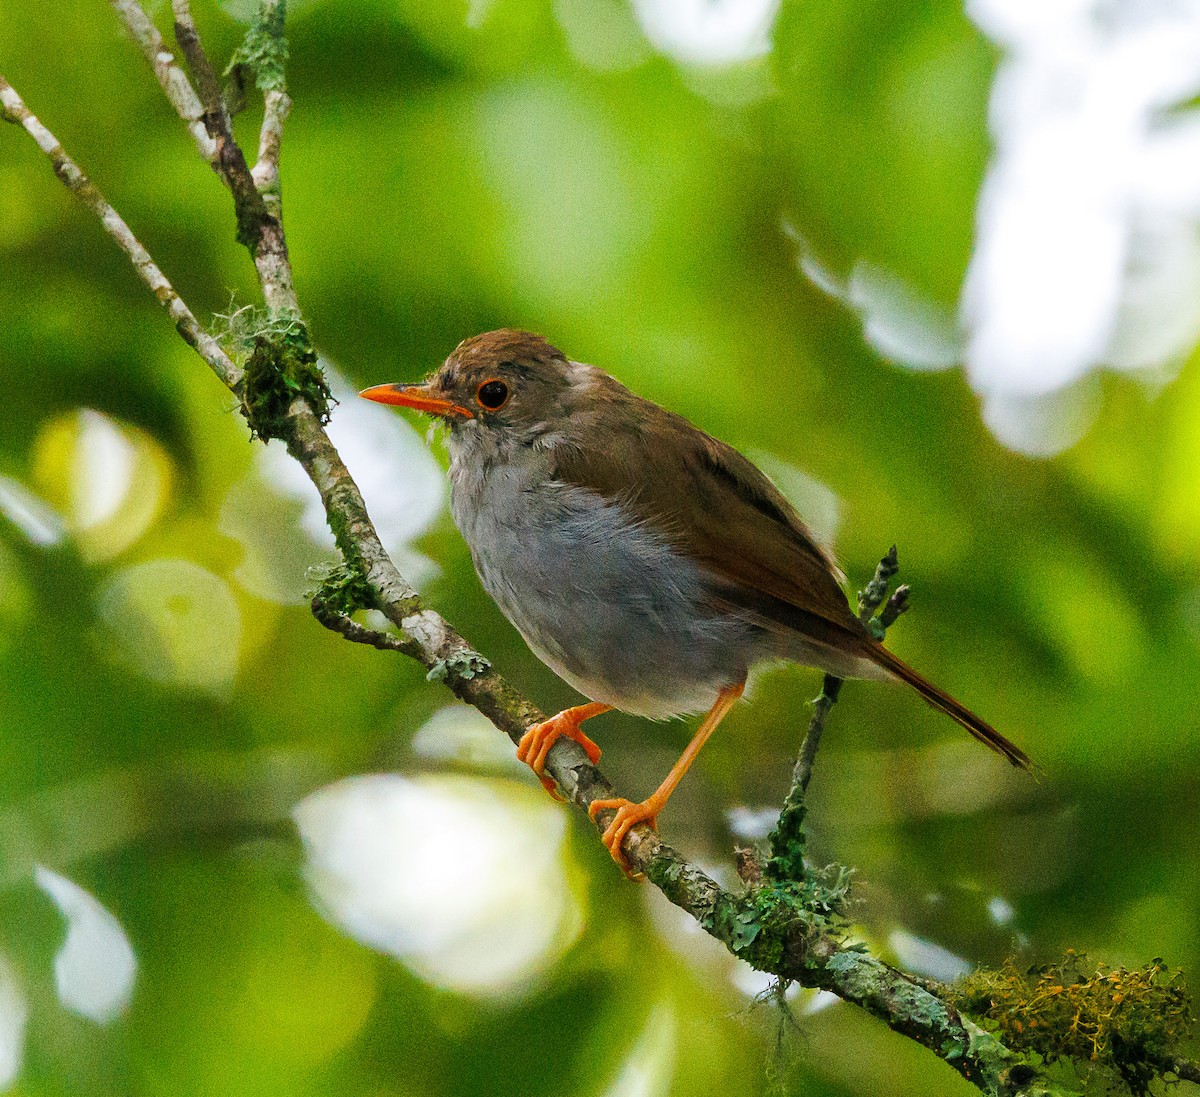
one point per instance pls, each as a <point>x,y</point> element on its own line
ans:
<point>417,397</point>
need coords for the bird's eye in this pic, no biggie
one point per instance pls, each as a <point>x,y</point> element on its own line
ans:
<point>492,394</point>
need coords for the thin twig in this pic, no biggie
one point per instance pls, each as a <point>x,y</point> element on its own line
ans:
<point>872,596</point>
<point>173,80</point>
<point>896,605</point>
<point>74,179</point>
<point>258,228</point>
<point>205,75</point>
<point>787,838</point>
<point>359,634</point>
<point>276,107</point>
<point>802,774</point>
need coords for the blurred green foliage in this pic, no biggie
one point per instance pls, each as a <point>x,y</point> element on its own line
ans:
<point>449,169</point>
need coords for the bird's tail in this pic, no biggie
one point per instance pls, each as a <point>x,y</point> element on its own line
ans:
<point>958,712</point>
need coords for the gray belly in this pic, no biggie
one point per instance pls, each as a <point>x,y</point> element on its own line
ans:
<point>603,602</point>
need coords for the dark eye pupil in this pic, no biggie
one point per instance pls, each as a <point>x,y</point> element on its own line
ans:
<point>493,394</point>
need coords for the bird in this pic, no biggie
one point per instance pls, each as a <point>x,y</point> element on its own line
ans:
<point>646,563</point>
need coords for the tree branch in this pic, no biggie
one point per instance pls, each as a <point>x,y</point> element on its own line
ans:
<point>265,52</point>
<point>259,229</point>
<point>789,928</point>
<point>173,80</point>
<point>276,108</point>
<point>73,178</point>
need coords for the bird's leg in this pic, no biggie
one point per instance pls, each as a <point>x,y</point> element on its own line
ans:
<point>535,744</point>
<point>630,814</point>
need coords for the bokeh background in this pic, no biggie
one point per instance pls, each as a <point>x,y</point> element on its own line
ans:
<point>936,269</point>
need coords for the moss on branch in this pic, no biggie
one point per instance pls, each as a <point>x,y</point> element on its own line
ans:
<point>264,50</point>
<point>1132,1022</point>
<point>277,355</point>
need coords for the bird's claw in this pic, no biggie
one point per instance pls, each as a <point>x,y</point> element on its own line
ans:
<point>628,815</point>
<point>551,786</point>
<point>534,747</point>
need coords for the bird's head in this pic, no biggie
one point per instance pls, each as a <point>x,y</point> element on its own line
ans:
<point>506,382</point>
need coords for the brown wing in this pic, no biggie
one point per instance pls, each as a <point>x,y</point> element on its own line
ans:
<point>713,503</point>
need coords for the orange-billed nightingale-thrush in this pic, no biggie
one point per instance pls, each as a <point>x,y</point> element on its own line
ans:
<point>648,565</point>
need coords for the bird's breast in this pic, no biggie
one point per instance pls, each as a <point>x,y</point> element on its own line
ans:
<point>602,598</point>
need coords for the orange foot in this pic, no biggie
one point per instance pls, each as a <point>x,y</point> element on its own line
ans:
<point>629,815</point>
<point>535,744</point>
